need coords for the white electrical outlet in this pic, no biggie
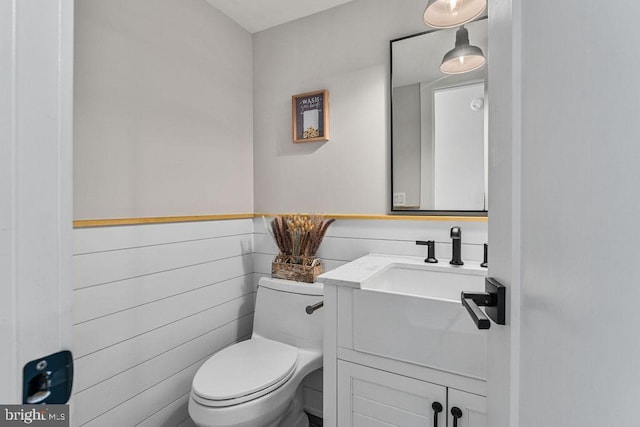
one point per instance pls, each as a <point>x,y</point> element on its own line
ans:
<point>399,199</point>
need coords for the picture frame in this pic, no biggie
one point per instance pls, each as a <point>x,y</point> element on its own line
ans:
<point>310,116</point>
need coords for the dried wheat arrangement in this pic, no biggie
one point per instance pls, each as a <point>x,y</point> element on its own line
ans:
<point>298,238</point>
<point>299,235</point>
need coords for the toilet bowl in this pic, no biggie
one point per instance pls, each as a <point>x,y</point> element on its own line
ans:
<point>257,382</point>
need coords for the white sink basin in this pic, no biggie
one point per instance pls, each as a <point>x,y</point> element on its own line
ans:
<point>412,312</point>
<point>428,281</point>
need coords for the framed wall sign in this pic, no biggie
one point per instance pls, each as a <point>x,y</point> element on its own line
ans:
<point>310,116</point>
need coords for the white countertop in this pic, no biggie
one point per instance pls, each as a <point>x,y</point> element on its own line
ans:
<point>357,271</point>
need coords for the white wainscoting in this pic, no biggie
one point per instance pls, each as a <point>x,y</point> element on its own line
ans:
<point>349,239</point>
<point>151,304</point>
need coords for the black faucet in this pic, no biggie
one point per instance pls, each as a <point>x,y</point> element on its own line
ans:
<point>484,261</point>
<point>456,240</point>
<point>431,250</point>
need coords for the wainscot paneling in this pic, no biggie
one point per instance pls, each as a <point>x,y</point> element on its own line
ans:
<point>347,240</point>
<point>98,268</point>
<point>151,304</point>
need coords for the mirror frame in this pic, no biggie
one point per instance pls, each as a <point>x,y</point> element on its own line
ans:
<point>425,212</point>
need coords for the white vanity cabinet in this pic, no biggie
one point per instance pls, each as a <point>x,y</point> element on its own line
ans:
<point>386,361</point>
<point>472,406</point>
<point>369,397</point>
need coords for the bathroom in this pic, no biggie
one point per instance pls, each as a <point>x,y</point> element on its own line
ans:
<point>177,111</point>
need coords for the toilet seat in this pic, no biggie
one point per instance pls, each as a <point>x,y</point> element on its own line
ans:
<point>244,371</point>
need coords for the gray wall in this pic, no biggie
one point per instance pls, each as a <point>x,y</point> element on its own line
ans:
<point>163,110</point>
<point>407,143</point>
<point>344,50</point>
<point>164,100</point>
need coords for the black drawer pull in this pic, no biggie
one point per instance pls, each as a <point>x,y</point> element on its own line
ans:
<point>437,408</point>
<point>457,413</point>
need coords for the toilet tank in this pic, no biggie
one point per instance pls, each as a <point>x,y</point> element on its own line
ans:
<point>280,313</point>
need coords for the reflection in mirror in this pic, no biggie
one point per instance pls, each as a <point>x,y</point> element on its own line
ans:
<point>439,138</point>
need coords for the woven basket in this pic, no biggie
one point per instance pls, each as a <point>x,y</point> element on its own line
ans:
<point>300,269</point>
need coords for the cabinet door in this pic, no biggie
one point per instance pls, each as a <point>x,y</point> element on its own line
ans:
<point>472,407</point>
<point>369,397</point>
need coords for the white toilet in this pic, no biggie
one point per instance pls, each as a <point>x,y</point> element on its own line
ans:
<point>257,383</point>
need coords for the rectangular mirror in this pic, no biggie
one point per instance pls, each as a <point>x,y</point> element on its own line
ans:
<point>438,127</point>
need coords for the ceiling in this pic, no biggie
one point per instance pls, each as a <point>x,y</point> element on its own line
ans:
<point>258,15</point>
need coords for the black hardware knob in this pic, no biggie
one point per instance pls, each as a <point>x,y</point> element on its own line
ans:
<point>457,413</point>
<point>437,408</point>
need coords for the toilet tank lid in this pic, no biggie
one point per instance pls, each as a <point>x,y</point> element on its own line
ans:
<point>291,286</point>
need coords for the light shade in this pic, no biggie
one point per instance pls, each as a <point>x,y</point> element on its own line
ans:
<point>452,13</point>
<point>462,58</point>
